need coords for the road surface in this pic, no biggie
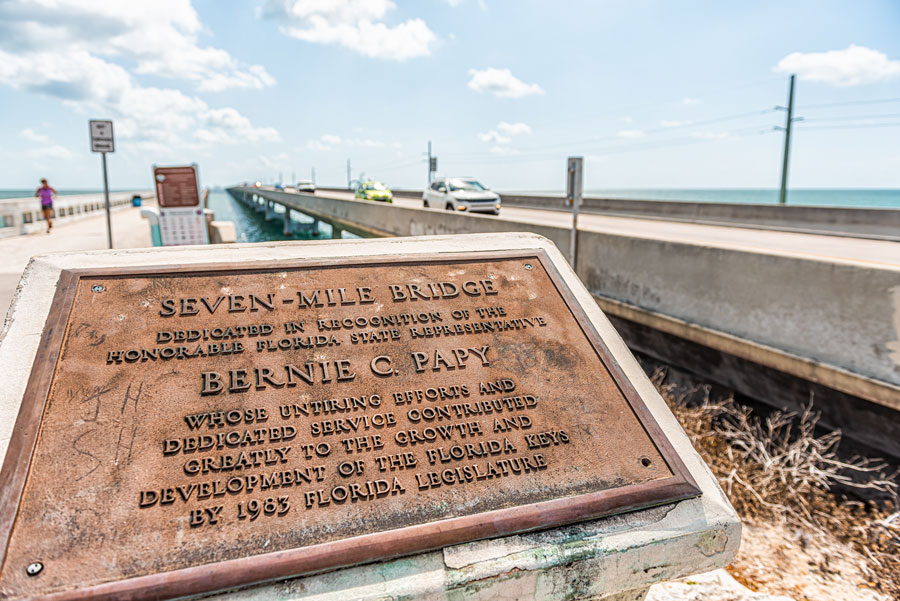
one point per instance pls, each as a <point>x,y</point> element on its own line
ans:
<point>130,230</point>
<point>876,253</point>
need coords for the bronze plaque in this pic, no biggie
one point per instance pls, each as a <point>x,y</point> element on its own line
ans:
<point>176,187</point>
<point>194,430</point>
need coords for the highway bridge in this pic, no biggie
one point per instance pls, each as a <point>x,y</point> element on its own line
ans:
<point>758,305</point>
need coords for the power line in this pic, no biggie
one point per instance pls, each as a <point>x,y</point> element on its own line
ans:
<point>619,138</point>
<point>712,92</point>
<point>848,103</point>
<point>855,117</point>
<point>852,126</point>
<point>408,161</point>
<point>654,145</point>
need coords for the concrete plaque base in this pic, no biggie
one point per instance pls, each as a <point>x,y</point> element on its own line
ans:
<point>623,451</point>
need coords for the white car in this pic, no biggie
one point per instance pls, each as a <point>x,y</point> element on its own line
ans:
<point>461,194</point>
<point>305,185</point>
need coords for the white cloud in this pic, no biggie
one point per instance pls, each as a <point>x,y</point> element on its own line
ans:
<point>273,160</point>
<point>688,100</point>
<point>161,36</point>
<point>855,65</point>
<point>509,129</point>
<point>324,142</point>
<point>30,134</point>
<point>54,151</point>
<point>492,136</point>
<point>514,129</point>
<point>710,135</point>
<point>673,123</point>
<point>354,24</point>
<point>501,83</point>
<point>75,68</point>
<point>631,133</point>
<point>365,143</point>
<point>503,151</point>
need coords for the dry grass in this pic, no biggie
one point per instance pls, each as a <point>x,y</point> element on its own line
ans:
<point>775,468</point>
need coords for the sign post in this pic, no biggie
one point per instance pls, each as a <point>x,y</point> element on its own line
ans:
<point>574,193</point>
<point>102,141</point>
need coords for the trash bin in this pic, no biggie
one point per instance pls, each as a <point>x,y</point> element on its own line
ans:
<point>136,200</point>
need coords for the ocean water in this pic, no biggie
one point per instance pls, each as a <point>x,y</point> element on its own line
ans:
<point>865,198</point>
<point>251,227</point>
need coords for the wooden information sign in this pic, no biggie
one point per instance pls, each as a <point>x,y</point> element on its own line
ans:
<point>197,429</point>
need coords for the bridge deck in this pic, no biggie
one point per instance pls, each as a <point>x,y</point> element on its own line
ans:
<point>880,253</point>
<point>130,230</point>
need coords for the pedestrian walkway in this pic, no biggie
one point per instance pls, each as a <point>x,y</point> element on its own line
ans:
<point>130,230</point>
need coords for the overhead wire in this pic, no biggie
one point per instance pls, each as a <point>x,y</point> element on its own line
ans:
<point>854,117</point>
<point>849,125</point>
<point>619,137</point>
<point>846,103</point>
<point>652,145</point>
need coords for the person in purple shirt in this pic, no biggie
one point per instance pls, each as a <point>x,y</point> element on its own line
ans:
<point>46,193</point>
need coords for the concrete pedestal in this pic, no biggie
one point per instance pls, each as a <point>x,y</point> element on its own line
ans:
<point>614,558</point>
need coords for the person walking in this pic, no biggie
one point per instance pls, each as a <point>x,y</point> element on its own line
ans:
<point>46,193</point>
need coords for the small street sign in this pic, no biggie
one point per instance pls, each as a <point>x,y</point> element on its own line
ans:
<point>102,136</point>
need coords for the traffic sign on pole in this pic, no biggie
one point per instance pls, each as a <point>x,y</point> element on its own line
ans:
<point>102,136</point>
<point>102,141</point>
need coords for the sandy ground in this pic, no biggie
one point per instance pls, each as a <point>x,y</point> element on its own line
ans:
<point>130,230</point>
<point>718,585</point>
<point>776,560</point>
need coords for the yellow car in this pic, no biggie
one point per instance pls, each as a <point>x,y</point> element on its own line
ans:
<point>374,191</point>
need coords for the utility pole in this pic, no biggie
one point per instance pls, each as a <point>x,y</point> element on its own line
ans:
<point>782,198</point>
<point>349,187</point>
<point>314,176</point>
<point>429,163</point>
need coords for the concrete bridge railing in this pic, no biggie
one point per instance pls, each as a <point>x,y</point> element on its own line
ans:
<point>23,215</point>
<point>857,222</point>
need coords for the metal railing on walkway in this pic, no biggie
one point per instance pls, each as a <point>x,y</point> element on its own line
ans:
<point>23,215</point>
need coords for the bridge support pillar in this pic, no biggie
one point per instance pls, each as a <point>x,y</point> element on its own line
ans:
<point>336,233</point>
<point>260,204</point>
<point>288,226</point>
<point>270,209</point>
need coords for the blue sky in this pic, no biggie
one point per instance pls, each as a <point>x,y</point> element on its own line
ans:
<point>652,93</point>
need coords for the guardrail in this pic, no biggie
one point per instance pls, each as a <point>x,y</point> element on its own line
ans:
<point>23,215</point>
<point>879,224</point>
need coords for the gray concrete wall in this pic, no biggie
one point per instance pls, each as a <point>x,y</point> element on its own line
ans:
<point>834,323</point>
<point>869,223</point>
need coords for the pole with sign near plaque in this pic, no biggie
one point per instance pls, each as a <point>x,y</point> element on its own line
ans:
<point>102,141</point>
